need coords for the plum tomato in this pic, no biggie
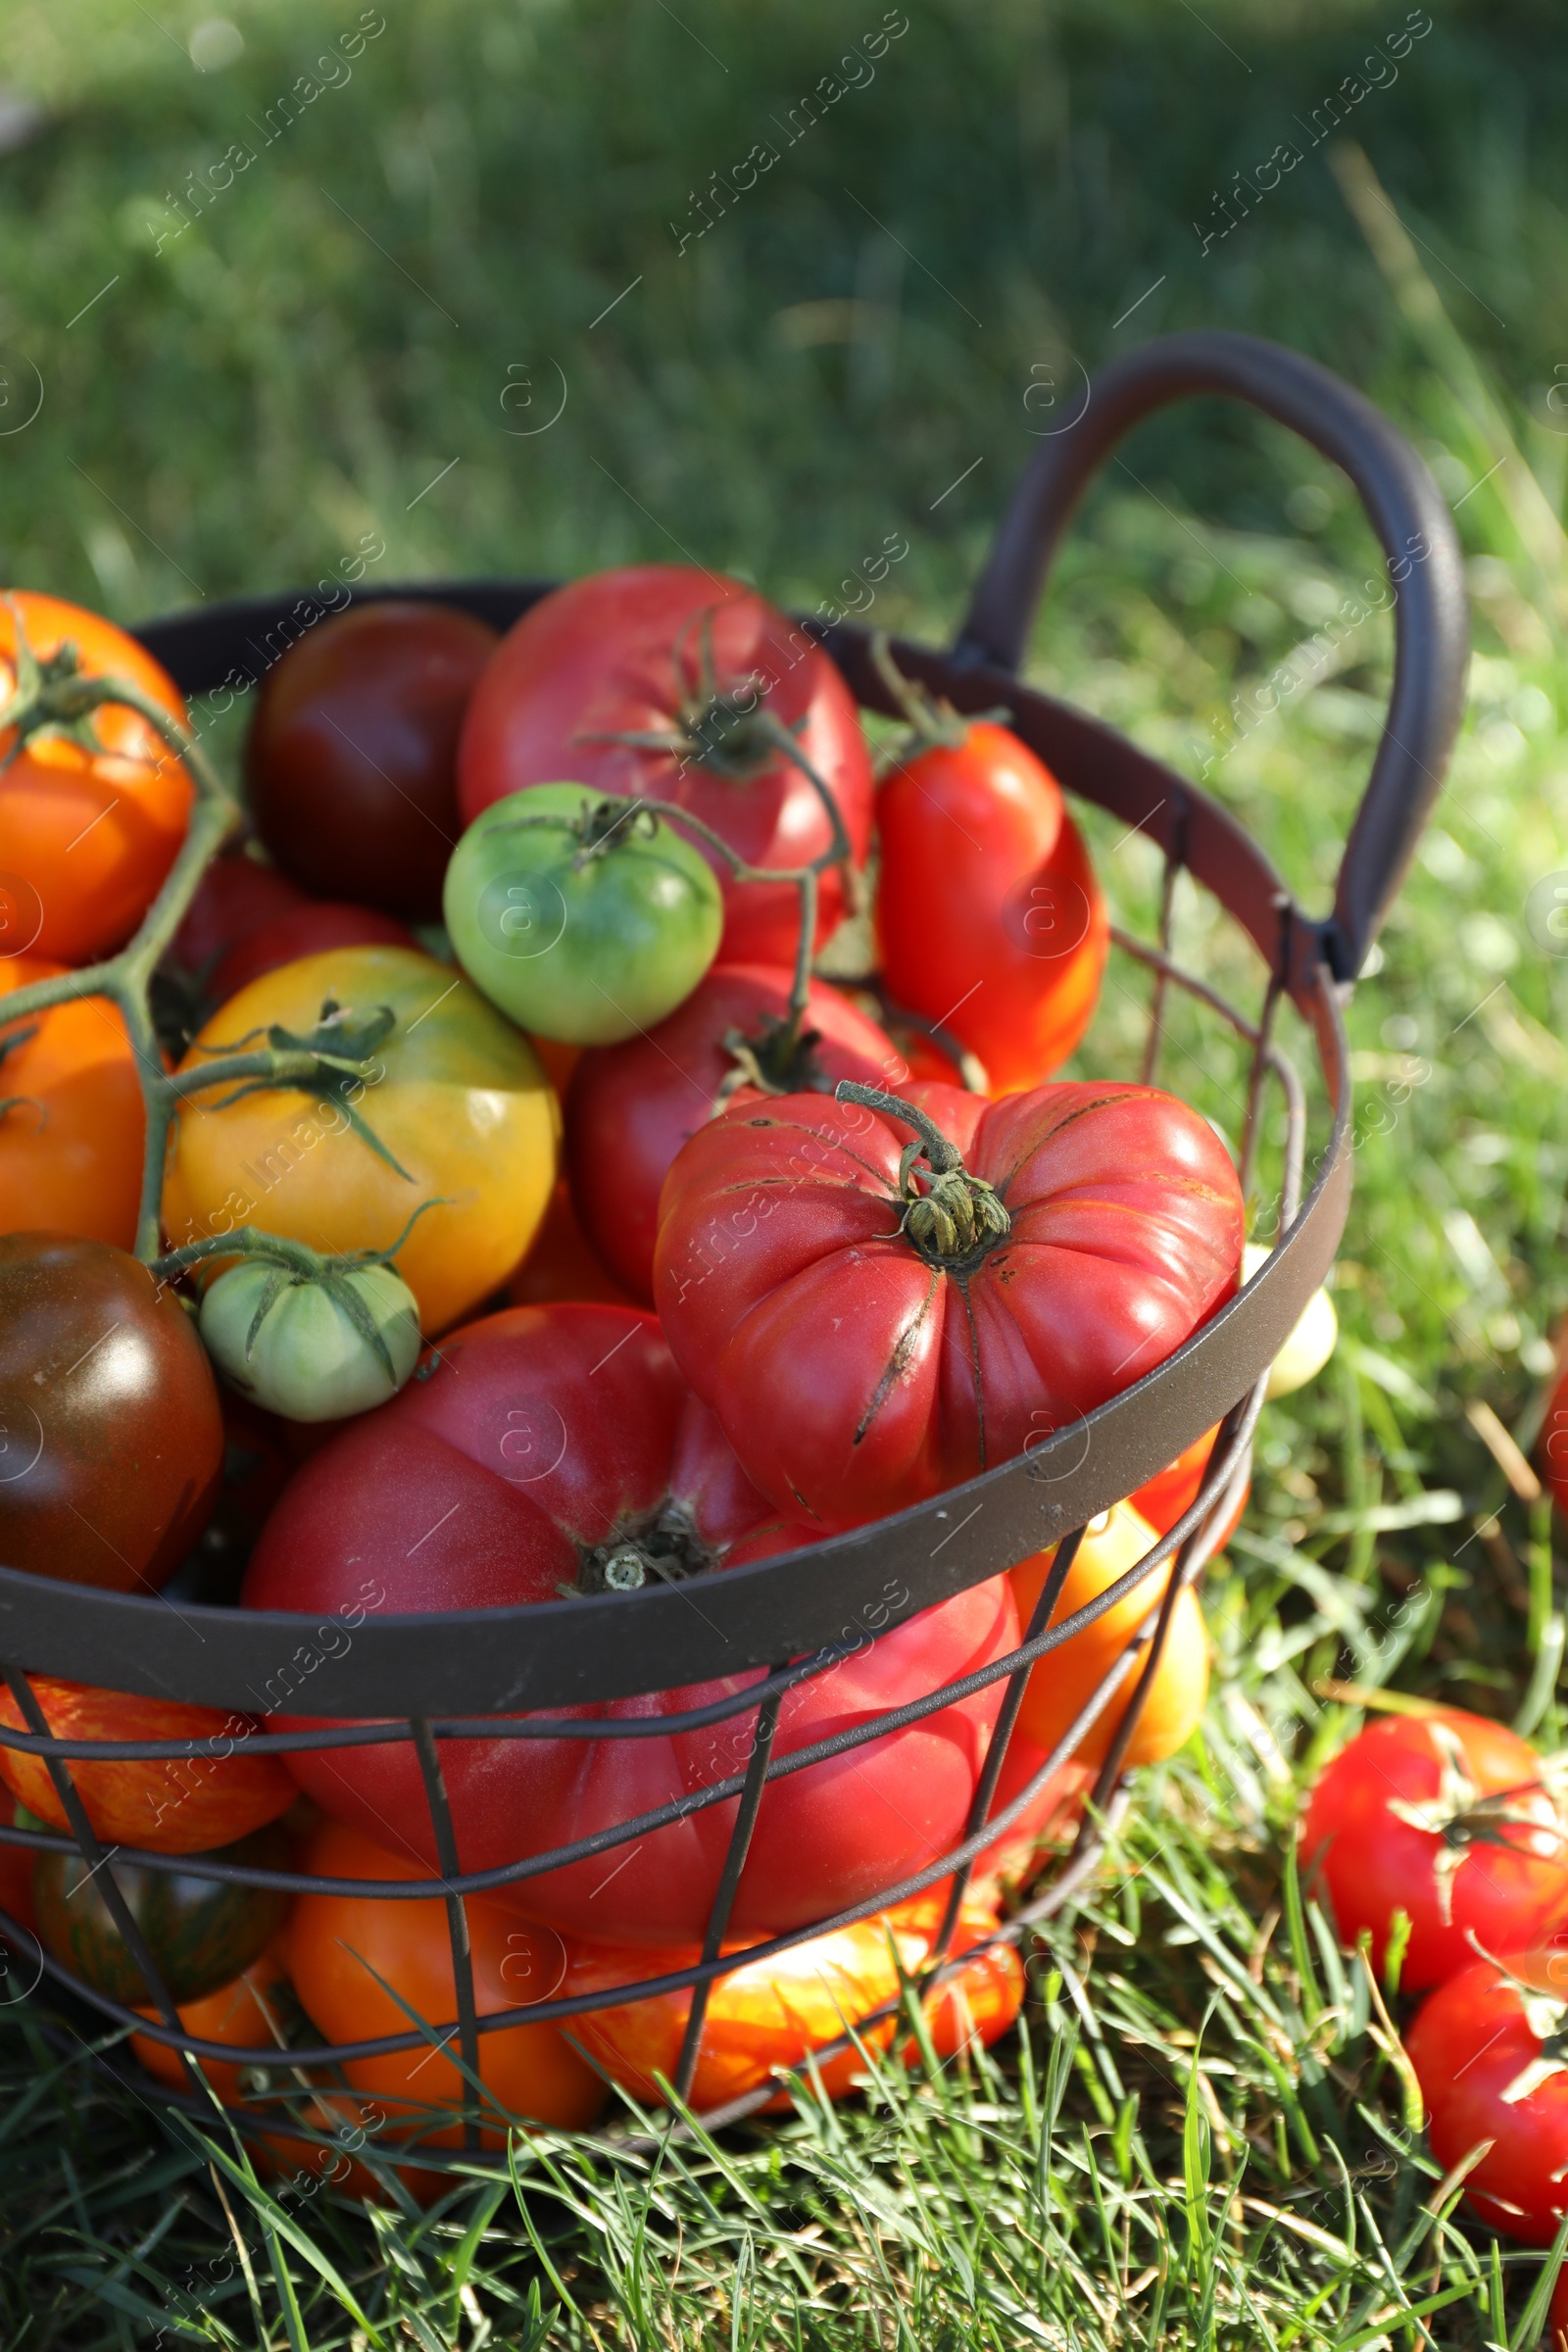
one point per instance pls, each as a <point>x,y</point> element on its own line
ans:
<point>1061,1683</point>
<point>455,1111</point>
<point>200,1932</point>
<point>872,1326</point>
<point>88,830</point>
<point>1445,1817</point>
<point>72,1121</point>
<point>585,919</point>
<point>765,2017</point>
<point>168,1804</point>
<point>675,684</point>
<point>630,1107</point>
<point>304,931</point>
<point>350,764</point>
<point>339,1946</point>
<point>1490,2048</point>
<point>556,1447</point>
<point>111,1435</point>
<point>989,915</point>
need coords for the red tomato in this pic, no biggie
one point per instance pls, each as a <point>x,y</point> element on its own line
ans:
<point>235,897</point>
<point>1445,1817</point>
<point>1553,1446</point>
<point>350,759</point>
<point>72,1120</point>
<point>173,1805</point>
<point>86,836</point>
<point>861,1358</point>
<point>338,1948</point>
<point>1486,2050</point>
<point>304,931</point>
<point>561,1263</point>
<point>627,652</point>
<point>630,1107</point>
<point>764,2019</point>
<point>1174,1488</point>
<point>989,915</point>
<point>1050,1818</point>
<point>547,1442</point>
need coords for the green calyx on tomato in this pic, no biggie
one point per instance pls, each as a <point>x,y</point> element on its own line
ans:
<point>200,1932</point>
<point>313,1347</point>
<point>724,731</point>
<point>585,918</point>
<point>954,1219</point>
<point>329,1061</point>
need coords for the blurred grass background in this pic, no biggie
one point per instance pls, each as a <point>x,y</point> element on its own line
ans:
<point>361,333</point>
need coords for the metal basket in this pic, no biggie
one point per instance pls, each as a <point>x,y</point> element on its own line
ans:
<point>431,1677</point>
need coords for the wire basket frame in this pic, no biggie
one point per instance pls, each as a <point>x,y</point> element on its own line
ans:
<point>504,1674</point>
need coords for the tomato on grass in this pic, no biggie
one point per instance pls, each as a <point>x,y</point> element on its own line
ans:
<point>339,1946</point>
<point>170,1804</point>
<point>675,684</point>
<point>766,2017</point>
<point>988,911</point>
<point>111,1435</point>
<point>454,1111</point>
<point>556,1447</point>
<point>1490,2048</point>
<point>1444,1817</point>
<point>71,1124</point>
<point>251,2011</point>
<point>879,1303</point>
<point>630,1107</point>
<point>91,819</point>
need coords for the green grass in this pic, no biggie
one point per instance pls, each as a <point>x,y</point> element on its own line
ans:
<point>1205,2136</point>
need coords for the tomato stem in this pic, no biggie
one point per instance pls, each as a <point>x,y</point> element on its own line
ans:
<point>959,1219</point>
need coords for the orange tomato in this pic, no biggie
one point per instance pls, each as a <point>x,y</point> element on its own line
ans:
<point>71,1122</point>
<point>561,1263</point>
<point>88,835</point>
<point>172,1805</point>
<point>338,1945</point>
<point>1062,1681</point>
<point>767,2016</point>
<point>246,2014</point>
<point>1173,1489</point>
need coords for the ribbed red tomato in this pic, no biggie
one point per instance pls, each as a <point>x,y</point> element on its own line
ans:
<point>558,1447</point>
<point>1446,1818</point>
<point>871,1328</point>
<point>630,1107</point>
<point>988,911</point>
<point>684,661</point>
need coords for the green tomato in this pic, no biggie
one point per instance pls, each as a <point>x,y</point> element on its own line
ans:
<point>201,1933</point>
<point>305,1348</point>
<point>584,919</point>
<point>1309,1346</point>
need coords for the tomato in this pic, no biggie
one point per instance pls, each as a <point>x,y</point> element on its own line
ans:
<point>1486,2048</point>
<point>1444,1817</point>
<point>252,2010</point>
<point>455,1095</point>
<point>1312,1341</point>
<point>765,2018</point>
<point>298,1348</point>
<point>585,919</point>
<point>868,1337</point>
<point>86,836</point>
<point>1174,1489</point>
<point>237,893</point>
<point>631,1106</point>
<point>111,1437</point>
<point>304,931</point>
<point>1050,1818</point>
<point>1062,1682</point>
<point>1553,1445</point>
<point>201,1931</point>
<point>339,1946</point>
<point>71,1122</point>
<point>557,1445</point>
<point>562,1264</point>
<point>350,761</point>
<point>173,1805</point>
<point>989,915</point>
<point>690,659</point>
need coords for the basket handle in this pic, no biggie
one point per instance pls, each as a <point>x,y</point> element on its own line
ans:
<point>1406,510</point>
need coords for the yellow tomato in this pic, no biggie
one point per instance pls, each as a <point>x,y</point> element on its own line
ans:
<point>1063,1681</point>
<point>459,1111</point>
